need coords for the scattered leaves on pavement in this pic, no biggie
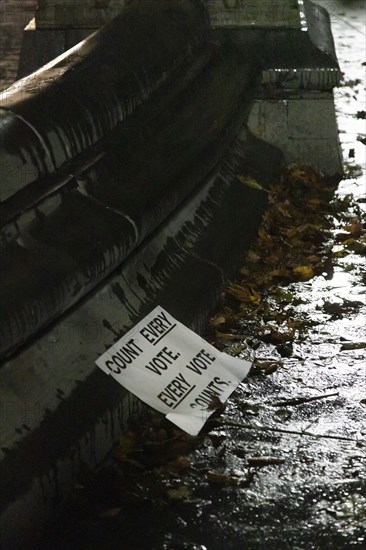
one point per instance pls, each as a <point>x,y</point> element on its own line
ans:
<point>306,231</point>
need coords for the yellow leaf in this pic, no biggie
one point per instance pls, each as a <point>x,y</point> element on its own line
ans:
<point>126,444</point>
<point>221,479</point>
<point>251,182</point>
<point>218,319</point>
<point>303,272</point>
<point>253,257</point>
<point>244,293</point>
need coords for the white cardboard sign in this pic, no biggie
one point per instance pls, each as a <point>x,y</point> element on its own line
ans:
<point>172,369</point>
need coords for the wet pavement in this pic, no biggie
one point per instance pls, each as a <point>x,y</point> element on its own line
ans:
<point>283,465</point>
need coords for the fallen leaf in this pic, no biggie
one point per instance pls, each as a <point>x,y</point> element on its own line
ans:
<point>126,444</point>
<point>282,415</point>
<point>281,273</point>
<point>235,352</point>
<point>253,257</point>
<point>258,461</point>
<point>302,229</point>
<point>268,367</point>
<point>303,174</point>
<point>218,319</point>
<point>283,296</point>
<point>284,209</point>
<point>244,293</point>
<point>341,236</point>
<point>245,272</point>
<point>264,235</point>
<point>357,246</point>
<point>303,272</point>
<point>250,409</point>
<point>221,479</point>
<point>228,336</point>
<point>355,229</point>
<point>179,493</point>
<point>279,337</point>
<point>295,323</point>
<point>251,182</point>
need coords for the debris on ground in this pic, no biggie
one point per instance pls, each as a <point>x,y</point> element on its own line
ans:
<point>291,433</point>
<point>282,463</point>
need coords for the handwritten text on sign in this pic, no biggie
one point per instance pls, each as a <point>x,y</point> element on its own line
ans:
<point>172,369</point>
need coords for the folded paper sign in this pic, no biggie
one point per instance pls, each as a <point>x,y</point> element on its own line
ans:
<point>172,369</point>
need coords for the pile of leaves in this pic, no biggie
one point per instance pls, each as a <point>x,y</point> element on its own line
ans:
<point>305,231</point>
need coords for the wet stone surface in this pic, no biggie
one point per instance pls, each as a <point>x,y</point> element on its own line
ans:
<point>14,16</point>
<point>282,466</point>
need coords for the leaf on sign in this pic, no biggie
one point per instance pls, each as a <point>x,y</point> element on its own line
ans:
<point>303,272</point>
<point>251,182</point>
